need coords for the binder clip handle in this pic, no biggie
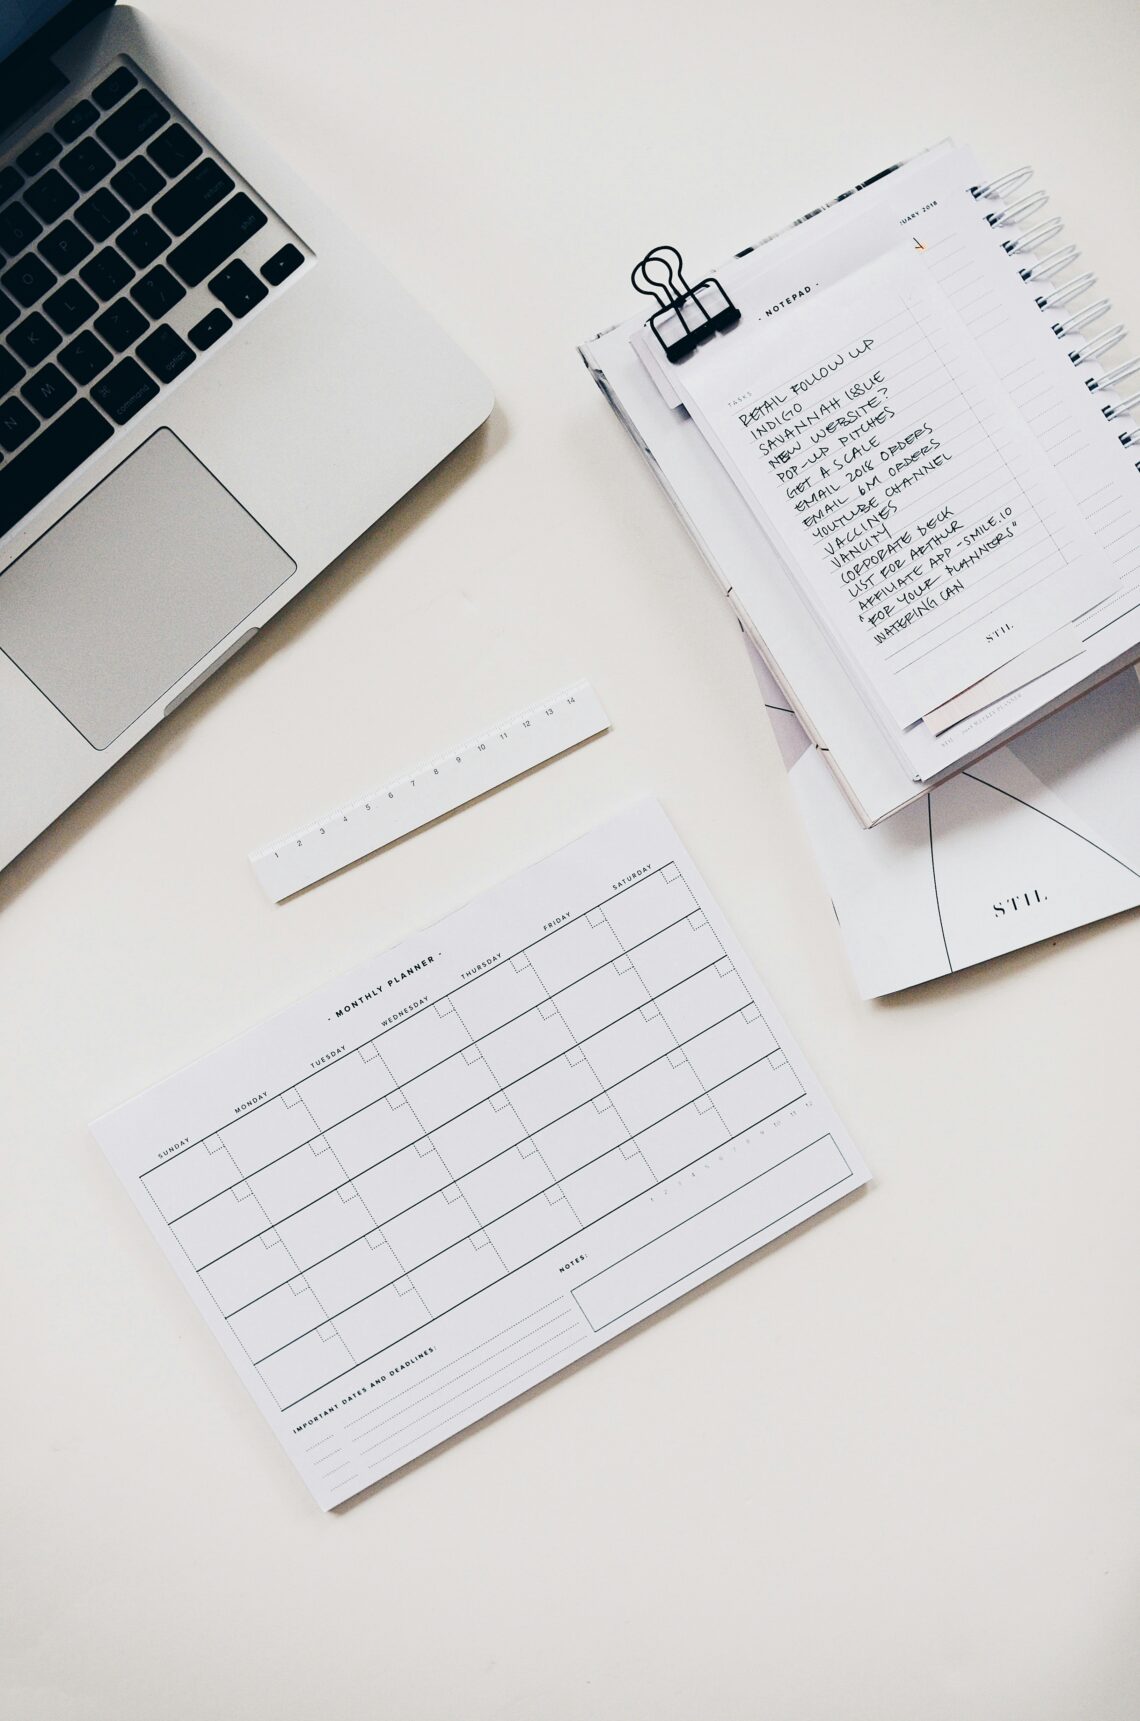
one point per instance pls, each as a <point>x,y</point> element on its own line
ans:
<point>687,316</point>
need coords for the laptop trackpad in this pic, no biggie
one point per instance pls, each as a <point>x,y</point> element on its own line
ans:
<point>134,586</point>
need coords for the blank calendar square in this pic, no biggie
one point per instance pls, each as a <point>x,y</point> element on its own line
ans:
<point>586,1133</point>
<point>477,1135</point>
<point>731,1046</point>
<point>656,903</point>
<point>398,1183</point>
<point>192,1178</point>
<point>551,1091</point>
<point>708,997</point>
<point>575,950</point>
<point>600,999</point>
<point>265,1133</point>
<point>354,1272</point>
<point>295,1180</point>
<point>674,955</point>
<point>316,1231</point>
<point>453,1085</point>
<point>346,1086</point>
<point>606,1184</point>
<point>530,1040</point>
<point>373,1134</point>
<point>277,1319</point>
<point>627,1046</point>
<point>504,1183</point>
<point>457,1273</point>
<point>530,1230</point>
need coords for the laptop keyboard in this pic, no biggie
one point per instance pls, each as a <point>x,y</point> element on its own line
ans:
<point>128,249</point>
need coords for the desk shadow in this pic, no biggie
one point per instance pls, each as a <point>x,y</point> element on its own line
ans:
<point>360,558</point>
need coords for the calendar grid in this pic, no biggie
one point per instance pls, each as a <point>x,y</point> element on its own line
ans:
<point>459,987</point>
<point>504,1120</point>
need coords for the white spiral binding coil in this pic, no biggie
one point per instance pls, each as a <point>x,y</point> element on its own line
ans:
<point>1086,351</point>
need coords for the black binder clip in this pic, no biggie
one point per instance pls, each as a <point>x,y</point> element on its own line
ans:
<point>688,316</point>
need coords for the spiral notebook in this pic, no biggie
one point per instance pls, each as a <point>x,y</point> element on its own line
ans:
<point>939,542</point>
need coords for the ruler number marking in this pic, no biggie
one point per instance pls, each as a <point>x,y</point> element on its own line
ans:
<point>355,846</point>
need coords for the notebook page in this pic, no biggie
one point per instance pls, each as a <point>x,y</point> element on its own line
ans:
<point>907,493</point>
<point>930,196</point>
<point>440,1180</point>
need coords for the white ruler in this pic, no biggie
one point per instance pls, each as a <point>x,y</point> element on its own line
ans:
<point>516,744</point>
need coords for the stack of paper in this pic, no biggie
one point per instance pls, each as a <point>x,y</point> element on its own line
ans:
<point>1035,837</point>
<point>943,531</point>
<point>1039,837</point>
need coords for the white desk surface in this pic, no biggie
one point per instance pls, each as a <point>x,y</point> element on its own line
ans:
<point>888,1469</point>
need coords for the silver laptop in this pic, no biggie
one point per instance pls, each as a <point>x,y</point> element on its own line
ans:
<point>208,389</point>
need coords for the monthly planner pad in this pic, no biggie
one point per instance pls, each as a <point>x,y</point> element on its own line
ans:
<point>443,1178</point>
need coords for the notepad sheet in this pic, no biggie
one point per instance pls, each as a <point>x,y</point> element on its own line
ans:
<point>923,519</point>
<point>443,1178</point>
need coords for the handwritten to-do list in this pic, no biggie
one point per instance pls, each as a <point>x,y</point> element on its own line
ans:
<point>930,533</point>
<point>441,1179</point>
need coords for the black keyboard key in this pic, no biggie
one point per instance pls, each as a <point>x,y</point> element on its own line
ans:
<point>282,263</point>
<point>10,182</point>
<point>51,195</point>
<point>124,390</point>
<point>87,164</point>
<point>114,88</point>
<point>173,150</point>
<point>70,306</point>
<point>38,154</point>
<point>33,339</point>
<point>10,371</point>
<point>107,273</point>
<point>18,227</point>
<point>238,288</point>
<point>143,241</point>
<point>48,391</point>
<point>84,358</point>
<point>131,125</point>
<point>101,215</point>
<point>28,280</point>
<point>9,311</point>
<point>16,424</point>
<point>120,325</point>
<point>210,329</point>
<point>54,455</point>
<point>185,203</point>
<point>218,238</point>
<point>157,292</point>
<point>165,353</point>
<point>75,121</point>
<point>138,182</point>
<point>65,247</point>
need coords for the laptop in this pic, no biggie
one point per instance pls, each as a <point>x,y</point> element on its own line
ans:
<point>208,388</point>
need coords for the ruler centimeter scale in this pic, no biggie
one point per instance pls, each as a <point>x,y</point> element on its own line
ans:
<point>461,774</point>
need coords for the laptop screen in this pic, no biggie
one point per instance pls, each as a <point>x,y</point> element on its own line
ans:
<point>20,20</point>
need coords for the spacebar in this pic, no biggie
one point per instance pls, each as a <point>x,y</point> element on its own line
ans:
<point>27,478</point>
